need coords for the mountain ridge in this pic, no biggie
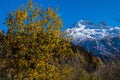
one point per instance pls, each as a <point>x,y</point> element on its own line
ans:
<point>100,39</point>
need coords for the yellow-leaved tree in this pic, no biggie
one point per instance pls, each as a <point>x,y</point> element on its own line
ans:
<point>34,47</point>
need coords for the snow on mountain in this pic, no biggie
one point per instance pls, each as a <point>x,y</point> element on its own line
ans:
<point>97,38</point>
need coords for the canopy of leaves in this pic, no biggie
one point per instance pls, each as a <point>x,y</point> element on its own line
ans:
<point>34,47</point>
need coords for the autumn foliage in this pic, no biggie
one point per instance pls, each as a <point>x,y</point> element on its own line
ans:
<point>34,48</point>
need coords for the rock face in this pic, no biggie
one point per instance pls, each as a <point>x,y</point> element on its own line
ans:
<point>100,39</point>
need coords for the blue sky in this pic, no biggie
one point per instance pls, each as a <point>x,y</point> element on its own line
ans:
<point>72,11</point>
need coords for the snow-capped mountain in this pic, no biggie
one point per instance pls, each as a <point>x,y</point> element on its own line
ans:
<point>100,39</point>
